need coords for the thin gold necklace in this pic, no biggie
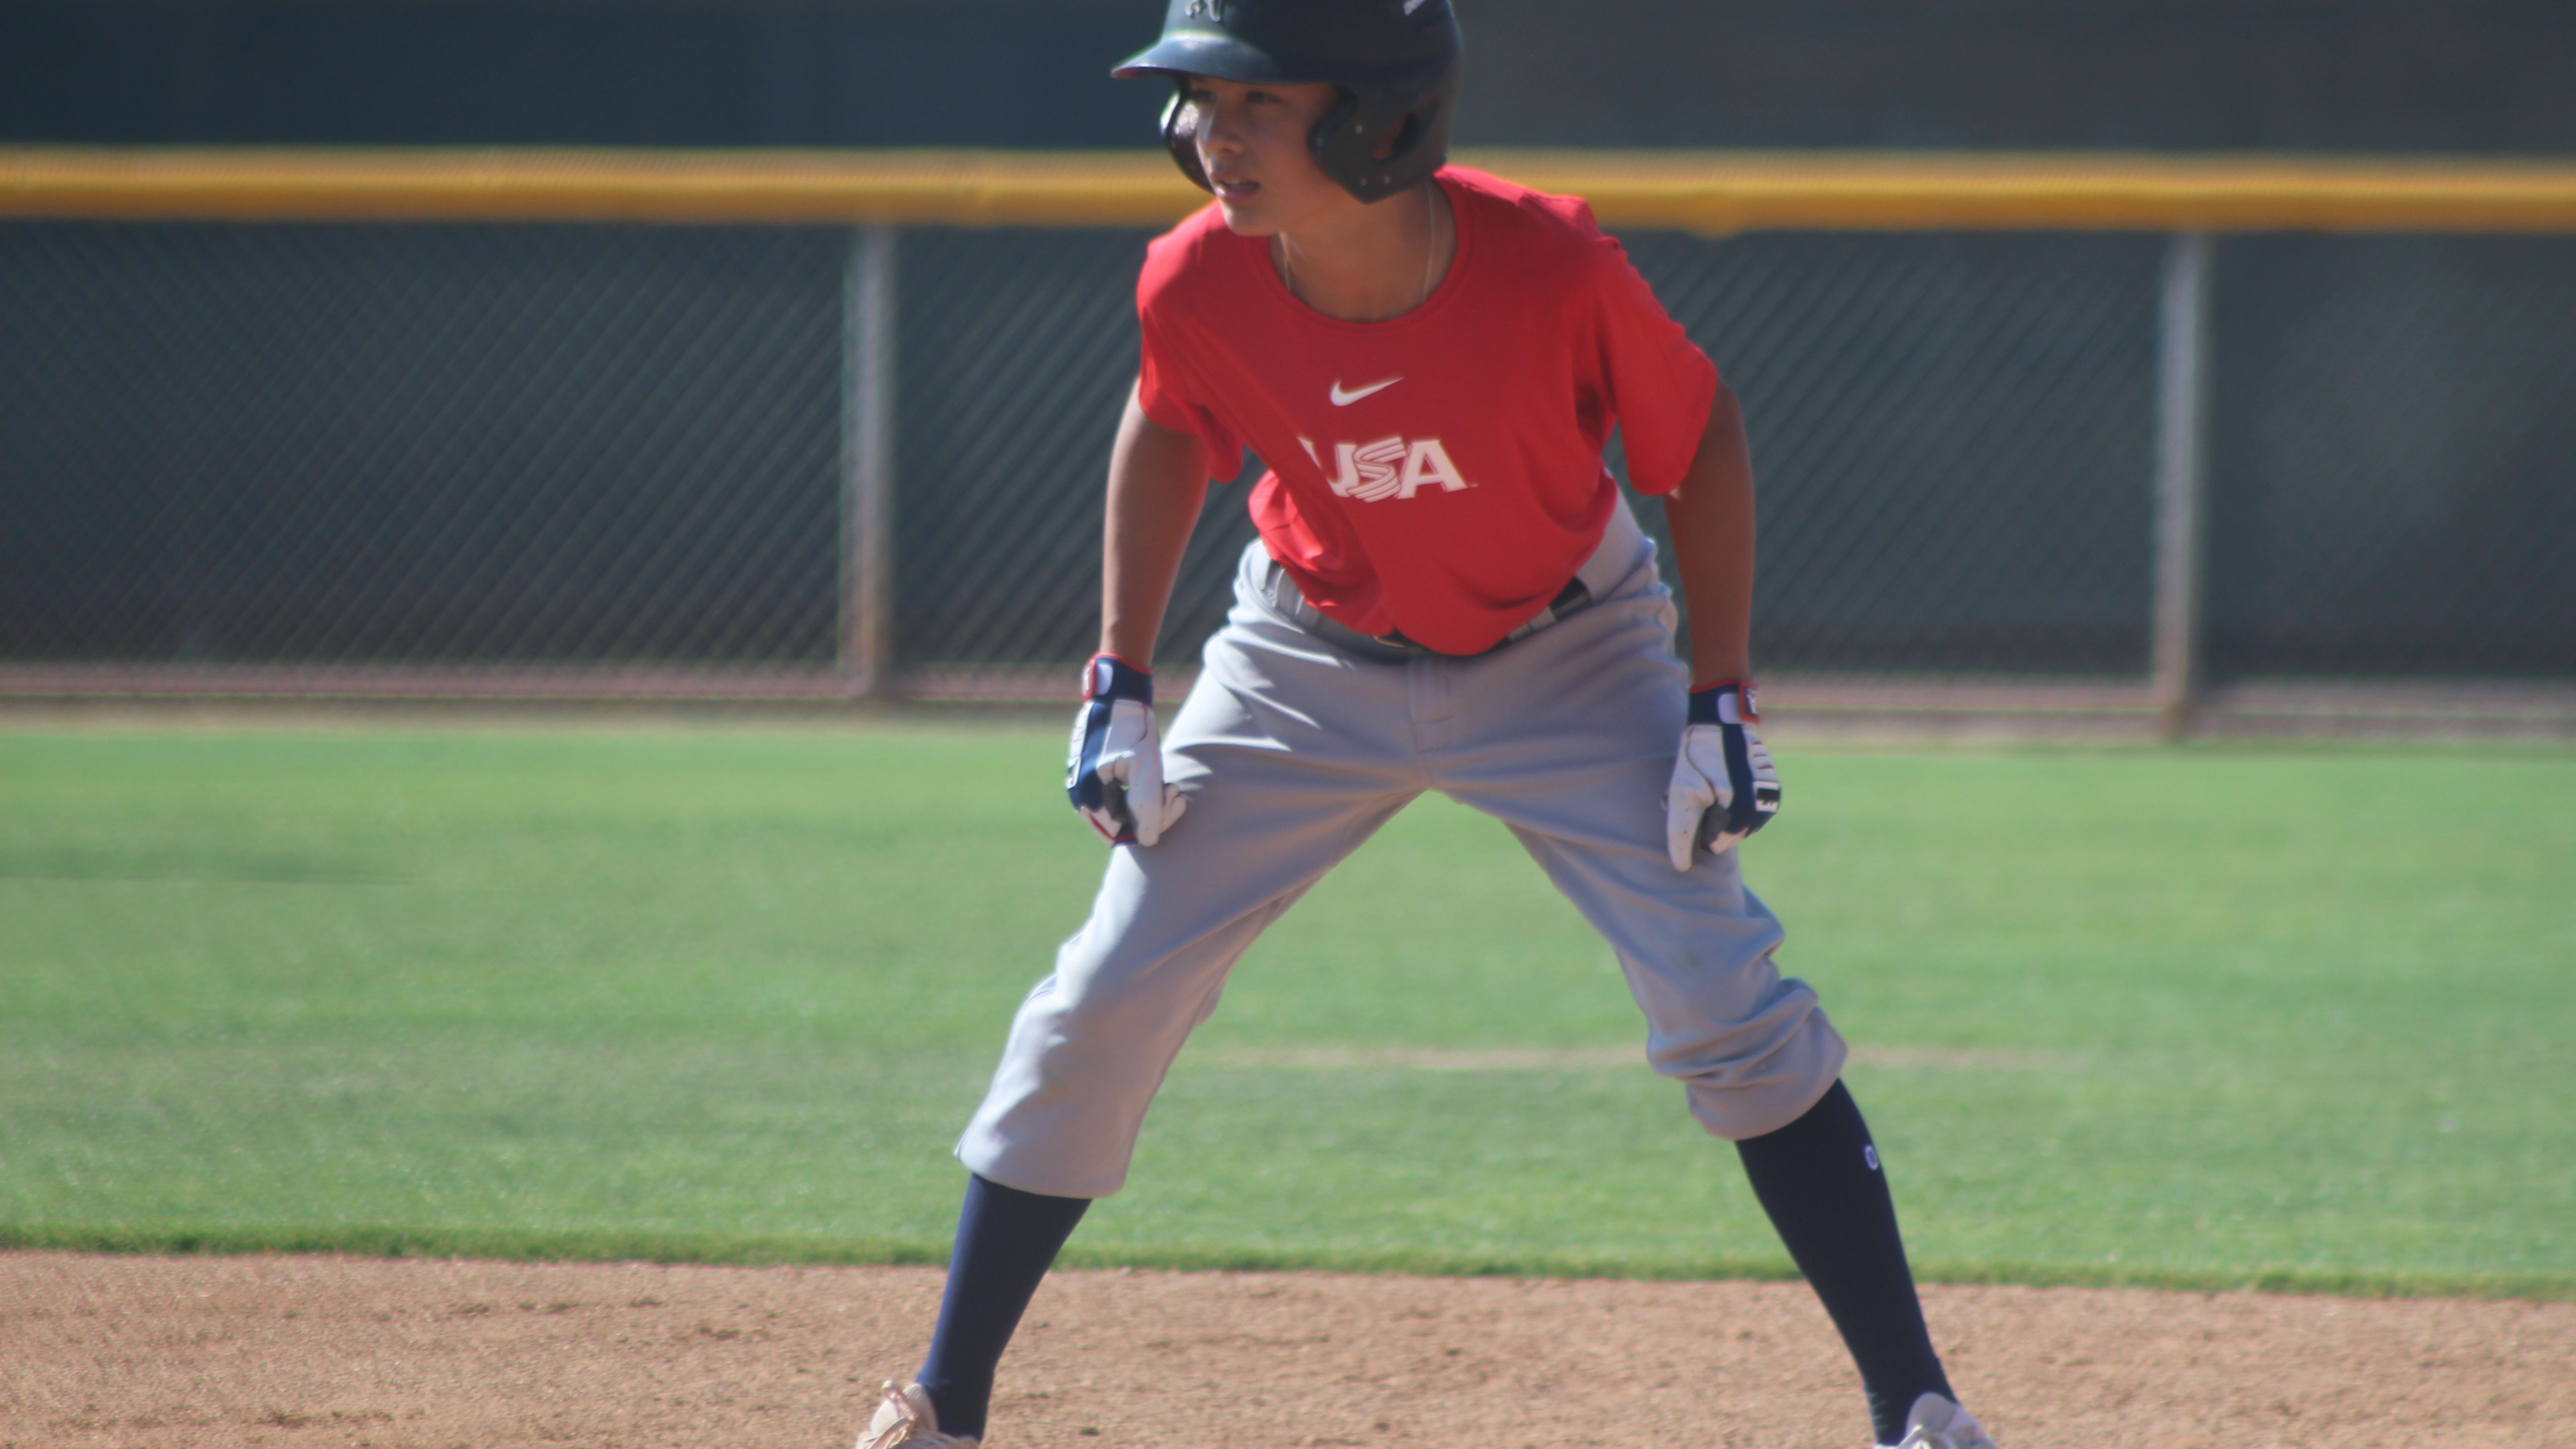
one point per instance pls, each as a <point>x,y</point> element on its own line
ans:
<point>1430,250</point>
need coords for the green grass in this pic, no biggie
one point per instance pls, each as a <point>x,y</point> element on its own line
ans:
<point>2197,1017</point>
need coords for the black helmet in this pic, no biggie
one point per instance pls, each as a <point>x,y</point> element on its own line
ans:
<point>1396,62</point>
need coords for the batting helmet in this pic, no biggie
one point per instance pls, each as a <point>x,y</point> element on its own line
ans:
<point>1395,62</point>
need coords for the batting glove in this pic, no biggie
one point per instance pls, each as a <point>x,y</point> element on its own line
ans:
<point>1114,772</point>
<point>1723,786</point>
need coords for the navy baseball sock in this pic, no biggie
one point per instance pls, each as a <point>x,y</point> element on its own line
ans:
<point>1819,1180</point>
<point>1006,1240</point>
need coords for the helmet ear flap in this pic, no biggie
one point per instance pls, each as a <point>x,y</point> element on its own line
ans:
<point>1325,142</point>
<point>1181,133</point>
<point>1344,142</point>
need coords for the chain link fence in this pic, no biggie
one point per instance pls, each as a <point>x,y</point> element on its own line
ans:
<point>468,448</point>
<point>420,445</point>
<point>1017,351</point>
<point>1953,435</point>
<point>2393,463</point>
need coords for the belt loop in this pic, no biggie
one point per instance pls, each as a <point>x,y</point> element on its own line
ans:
<point>1282,594</point>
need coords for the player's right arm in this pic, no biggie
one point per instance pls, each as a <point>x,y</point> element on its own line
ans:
<point>1114,772</point>
<point>1157,480</point>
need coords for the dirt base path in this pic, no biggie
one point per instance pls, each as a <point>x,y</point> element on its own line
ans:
<point>315,1353</point>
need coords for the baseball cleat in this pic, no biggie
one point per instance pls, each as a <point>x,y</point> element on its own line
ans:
<point>1936,1423</point>
<point>906,1420</point>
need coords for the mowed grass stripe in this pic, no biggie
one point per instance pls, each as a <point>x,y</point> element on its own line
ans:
<point>2200,1018</point>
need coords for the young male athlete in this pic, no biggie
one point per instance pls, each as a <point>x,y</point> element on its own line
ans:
<point>1447,594</point>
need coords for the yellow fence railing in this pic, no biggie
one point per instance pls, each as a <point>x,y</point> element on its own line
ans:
<point>1713,192</point>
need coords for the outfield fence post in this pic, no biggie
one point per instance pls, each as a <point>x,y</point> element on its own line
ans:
<point>867,462</point>
<point>2182,467</point>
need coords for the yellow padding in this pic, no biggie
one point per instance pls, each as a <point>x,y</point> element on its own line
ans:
<point>1707,191</point>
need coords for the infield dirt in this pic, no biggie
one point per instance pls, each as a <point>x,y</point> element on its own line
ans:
<point>157,1353</point>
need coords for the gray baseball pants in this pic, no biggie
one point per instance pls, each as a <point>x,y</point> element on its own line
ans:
<point>1294,750</point>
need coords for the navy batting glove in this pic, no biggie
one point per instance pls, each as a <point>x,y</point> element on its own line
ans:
<point>1724,787</point>
<point>1114,771</point>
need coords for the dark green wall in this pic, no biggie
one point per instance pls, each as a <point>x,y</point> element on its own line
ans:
<point>2356,75</point>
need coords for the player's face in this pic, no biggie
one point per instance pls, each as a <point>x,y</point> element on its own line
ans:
<point>1252,143</point>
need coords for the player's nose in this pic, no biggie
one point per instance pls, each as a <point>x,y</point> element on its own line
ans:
<point>1220,129</point>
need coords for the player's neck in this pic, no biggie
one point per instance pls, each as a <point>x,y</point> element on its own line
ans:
<point>1370,263</point>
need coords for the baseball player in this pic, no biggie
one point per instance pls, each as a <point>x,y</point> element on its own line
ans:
<point>1448,593</point>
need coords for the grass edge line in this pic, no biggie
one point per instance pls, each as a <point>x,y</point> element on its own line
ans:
<point>596,1245</point>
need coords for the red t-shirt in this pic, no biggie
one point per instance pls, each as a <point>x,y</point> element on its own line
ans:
<point>1438,473</point>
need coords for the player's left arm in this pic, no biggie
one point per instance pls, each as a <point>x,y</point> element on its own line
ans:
<point>1723,787</point>
<point>1711,519</point>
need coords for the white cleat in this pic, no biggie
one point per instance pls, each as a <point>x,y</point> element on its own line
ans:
<point>1936,1423</point>
<point>905,1420</point>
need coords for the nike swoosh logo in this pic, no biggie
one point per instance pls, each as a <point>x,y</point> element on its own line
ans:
<point>1343,399</point>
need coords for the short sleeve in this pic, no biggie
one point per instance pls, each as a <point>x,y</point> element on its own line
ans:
<point>1655,380</point>
<point>1163,390</point>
